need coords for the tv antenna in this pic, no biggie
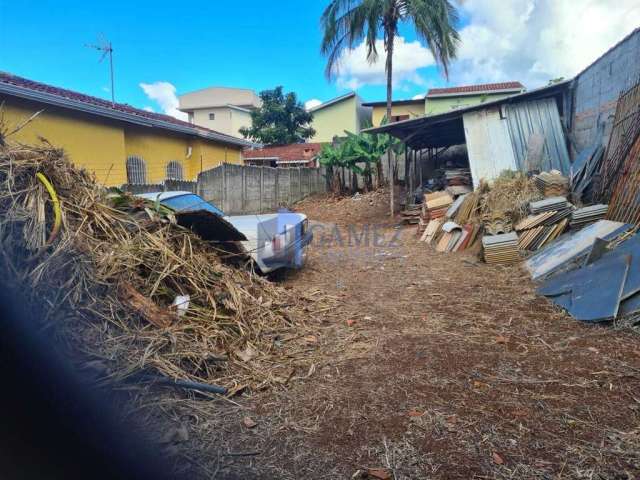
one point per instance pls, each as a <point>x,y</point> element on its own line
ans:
<point>105,47</point>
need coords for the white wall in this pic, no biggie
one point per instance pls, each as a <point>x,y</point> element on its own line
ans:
<point>488,144</point>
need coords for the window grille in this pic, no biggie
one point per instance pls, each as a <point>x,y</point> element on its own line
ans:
<point>174,170</point>
<point>136,170</point>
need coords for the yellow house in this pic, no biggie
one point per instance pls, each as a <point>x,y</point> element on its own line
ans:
<point>345,113</point>
<point>119,143</point>
<point>400,110</point>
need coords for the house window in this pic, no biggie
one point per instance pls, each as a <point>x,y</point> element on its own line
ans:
<point>212,116</point>
<point>136,170</point>
<point>399,118</point>
<point>174,170</point>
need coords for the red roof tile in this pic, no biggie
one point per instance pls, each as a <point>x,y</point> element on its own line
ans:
<point>10,79</point>
<point>486,87</point>
<point>295,151</point>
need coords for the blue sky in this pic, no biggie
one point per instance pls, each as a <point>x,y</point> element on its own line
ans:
<point>256,44</point>
<point>259,44</point>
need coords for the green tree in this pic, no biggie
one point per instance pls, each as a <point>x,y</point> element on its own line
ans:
<point>280,120</point>
<point>357,153</point>
<point>346,23</point>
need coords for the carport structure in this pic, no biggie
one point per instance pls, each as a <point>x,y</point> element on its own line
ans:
<point>499,135</point>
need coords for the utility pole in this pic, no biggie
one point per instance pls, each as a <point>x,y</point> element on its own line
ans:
<point>106,48</point>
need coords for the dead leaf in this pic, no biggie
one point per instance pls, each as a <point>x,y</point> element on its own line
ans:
<point>501,339</point>
<point>415,413</point>
<point>249,422</point>
<point>247,354</point>
<point>350,323</point>
<point>144,306</point>
<point>311,339</point>
<point>379,473</point>
<point>497,459</point>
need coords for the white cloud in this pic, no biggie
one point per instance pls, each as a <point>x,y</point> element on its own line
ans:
<point>314,102</point>
<point>536,40</point>
<point>164,94</point>
<point>148,109</point>
<point>354,70</point>
<point>420,96</point>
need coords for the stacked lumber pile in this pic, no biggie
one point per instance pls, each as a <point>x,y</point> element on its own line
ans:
<point>436,205</point>
<point>455,237</point>
<point>552,184</point>
<point>411,214</point>
<point>548,220</point>
<point>587,215</point>
<point>458,229</point>
<point>501,249</point>
<point>457,176</point>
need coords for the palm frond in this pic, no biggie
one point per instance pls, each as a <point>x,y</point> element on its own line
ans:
<point>435,23</point>
<point>345,24</point>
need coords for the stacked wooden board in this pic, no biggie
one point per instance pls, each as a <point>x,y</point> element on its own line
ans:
<point>548,219</point>
<point>455,237</point>
<point>501,249</point>
<point>537,237</point>
<point>552,184</point>
<point>457,176</point>
<point>411,214</point>
<point>430,231</point>
<point>586,215</point>
<point>436,205</point>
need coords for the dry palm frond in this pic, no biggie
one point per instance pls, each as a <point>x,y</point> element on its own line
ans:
<point>509,197</point>
<point>108,246</point>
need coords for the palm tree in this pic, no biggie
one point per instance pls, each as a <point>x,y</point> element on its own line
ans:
<point>346,23</point>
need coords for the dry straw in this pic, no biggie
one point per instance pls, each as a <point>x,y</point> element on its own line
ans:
<point>108,280</point>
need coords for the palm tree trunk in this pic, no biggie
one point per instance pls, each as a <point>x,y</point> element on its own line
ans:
<point>389,71</point>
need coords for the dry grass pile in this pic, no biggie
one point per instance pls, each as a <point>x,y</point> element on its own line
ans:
<point>109,277</point>
<point>509,196</point>
<point>506,201</point>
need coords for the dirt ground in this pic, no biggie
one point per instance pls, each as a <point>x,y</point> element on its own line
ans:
<point>430,366</point>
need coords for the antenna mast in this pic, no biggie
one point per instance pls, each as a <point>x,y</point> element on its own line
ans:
<point>106,49</point>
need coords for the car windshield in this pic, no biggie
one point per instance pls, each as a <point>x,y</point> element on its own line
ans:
<point>186,203</point>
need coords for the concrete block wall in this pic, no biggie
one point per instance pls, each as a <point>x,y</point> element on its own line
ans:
<point>247,189</point>
<point>597,88</point>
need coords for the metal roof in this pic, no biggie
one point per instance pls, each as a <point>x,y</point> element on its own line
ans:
<point>446,129</point>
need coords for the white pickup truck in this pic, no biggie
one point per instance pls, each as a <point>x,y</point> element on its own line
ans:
<point>274,240</point>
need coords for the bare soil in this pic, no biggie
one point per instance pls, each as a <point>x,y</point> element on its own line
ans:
<point>429,366</point>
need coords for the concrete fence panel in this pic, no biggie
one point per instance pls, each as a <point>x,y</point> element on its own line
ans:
<point>246,189</point>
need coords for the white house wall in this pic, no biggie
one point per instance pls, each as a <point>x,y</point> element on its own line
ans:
<point>488,144</point>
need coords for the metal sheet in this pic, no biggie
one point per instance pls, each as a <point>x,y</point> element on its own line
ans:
<point>596,297</point>
<point>488,144</point>
<point>571,246</point>
<point>538,117</point>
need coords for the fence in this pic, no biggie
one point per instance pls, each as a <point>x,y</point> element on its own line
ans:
<point>251,189</point>
<point>246,189</point>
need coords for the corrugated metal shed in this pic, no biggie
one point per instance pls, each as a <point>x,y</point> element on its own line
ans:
<point>488,144</point>
<point>541,117</point>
